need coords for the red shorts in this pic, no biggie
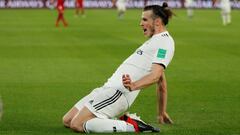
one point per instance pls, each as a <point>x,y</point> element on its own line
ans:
<point>79,3</point>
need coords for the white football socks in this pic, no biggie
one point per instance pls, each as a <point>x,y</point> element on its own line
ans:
<point>226,17</point>
<point>190,12</point>
<point>97,125</point>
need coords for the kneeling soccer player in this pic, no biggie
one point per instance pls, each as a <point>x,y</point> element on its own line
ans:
<point>95,112</point>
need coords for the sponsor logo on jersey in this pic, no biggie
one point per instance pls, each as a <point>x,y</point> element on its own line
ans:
<point>91,101</point>
<point>140,52</point>
<point>161,53</point>
<point>165,35</point>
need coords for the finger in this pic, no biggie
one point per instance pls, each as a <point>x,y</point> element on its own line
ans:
<point>124,79</point>
<point>160,120</point>
<point>127,77</point>
<point>126,82</point>
<point>127,86</point>
<point>168,121</point>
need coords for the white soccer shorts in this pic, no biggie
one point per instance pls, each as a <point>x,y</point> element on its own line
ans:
<point>121,7</point>
<point>104,102</point>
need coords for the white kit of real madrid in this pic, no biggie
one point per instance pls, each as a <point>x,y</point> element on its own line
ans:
<point>113,98</point>
<point>226,6</point>
<point>121,5</point>
<point>188,3</point>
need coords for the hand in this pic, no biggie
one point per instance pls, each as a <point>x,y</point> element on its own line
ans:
<point>164,119</point>
<point>127,82</point>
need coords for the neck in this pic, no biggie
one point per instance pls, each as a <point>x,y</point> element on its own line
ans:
<point>160,30</point>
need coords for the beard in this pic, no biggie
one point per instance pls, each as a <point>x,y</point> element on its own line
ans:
<point>152,31</point>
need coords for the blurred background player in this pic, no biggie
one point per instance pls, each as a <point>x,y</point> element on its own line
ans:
<point>79,7</point>
<point>182,3</point>
<point>121,7</point>
<point>60,9</point>
<point>44,3</point>
<point>214,3</point>
<point>6,3</point>
<point>189,6</point>
<point>114,3</point>
<point>145,2</point>
<point>226,11</point>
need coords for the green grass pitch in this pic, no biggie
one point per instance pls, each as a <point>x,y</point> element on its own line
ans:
<point>45,70</point>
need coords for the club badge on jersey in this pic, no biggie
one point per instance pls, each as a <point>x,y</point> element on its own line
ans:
<point>161,53</point>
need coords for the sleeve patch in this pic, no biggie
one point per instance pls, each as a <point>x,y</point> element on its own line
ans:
<point>161,53</point>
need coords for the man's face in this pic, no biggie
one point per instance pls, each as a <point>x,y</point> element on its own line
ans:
<point>147,23</point>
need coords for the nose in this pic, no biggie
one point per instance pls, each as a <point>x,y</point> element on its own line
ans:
<point>141,23</point>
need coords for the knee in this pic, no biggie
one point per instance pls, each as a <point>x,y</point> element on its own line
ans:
<point>77,126</point>
<point>66,121</point>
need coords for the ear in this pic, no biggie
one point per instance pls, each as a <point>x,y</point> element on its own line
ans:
<point>158,21</point>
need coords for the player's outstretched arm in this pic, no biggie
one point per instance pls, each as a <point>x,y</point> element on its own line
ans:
<point>163,117</point>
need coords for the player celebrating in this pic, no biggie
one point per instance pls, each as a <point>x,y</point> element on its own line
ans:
<point>79,7</point>
<point>144,67</point>
<point>60,8</point>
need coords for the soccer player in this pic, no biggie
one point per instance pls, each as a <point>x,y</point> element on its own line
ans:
<point>145,2</point>
<point>189,6</point>
<point>60,9</point>
<point>44,3</point>
<point>114,3</point>
<point>79,7</point>
<point>121,7</point>
<point>6,3</point>
<point>144,67</point>
<point>226,12</point>
<point>214,3</point>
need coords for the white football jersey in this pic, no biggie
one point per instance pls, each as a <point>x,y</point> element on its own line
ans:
<point>122,1</point>
<point>226,6</point>
<point>188,3</point>
<point>158,49</point>
<point>225,2</point>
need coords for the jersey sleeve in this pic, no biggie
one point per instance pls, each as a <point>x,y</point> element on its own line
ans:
<point>164,52</point>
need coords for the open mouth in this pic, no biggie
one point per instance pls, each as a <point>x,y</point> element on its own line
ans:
<point>144,30</point>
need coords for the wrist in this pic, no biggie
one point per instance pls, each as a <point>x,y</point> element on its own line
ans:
<point>162,113</point>
<point>133,87</point>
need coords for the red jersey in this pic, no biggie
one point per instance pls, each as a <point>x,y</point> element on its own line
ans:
<point>80,3</point>
<point>60,3</point>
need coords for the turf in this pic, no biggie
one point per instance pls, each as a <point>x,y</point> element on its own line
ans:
<point>45,70</point>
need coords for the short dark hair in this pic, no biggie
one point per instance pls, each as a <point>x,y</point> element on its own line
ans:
<point>160,11</point>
